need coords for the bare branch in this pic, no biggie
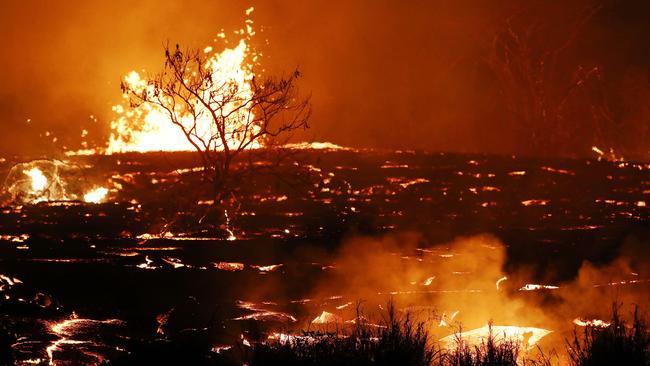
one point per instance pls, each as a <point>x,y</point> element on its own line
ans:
<point>220,118</point>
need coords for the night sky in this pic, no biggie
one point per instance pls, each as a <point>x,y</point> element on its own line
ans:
<point>389,74</point>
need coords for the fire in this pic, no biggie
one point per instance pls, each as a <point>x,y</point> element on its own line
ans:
<point>317,146</point>
<point>39,181</point>
<point>53,181</point>
<point>97,195</point>
<point>148,128</point>
<point>591,323</point>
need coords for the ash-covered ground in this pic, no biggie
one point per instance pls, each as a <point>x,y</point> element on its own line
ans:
<point>460,238</point>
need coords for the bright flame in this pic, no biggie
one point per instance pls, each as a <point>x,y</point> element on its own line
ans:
<point>148,127</point>
<point>39,181</point>
<point>591,323</point>
<point>97,195</point>
<point>316,146</point>
<point>53,181</point>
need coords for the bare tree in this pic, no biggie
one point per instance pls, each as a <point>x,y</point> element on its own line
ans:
<point>550,104</point>
<point>221,117</point>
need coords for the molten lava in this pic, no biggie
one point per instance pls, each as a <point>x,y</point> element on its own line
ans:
<point>591,323</point>
<point>326,318</point>
<point>97,195</point>
<point>524,336</point>
<point>52,181</point>
<point>68,329</point>
<point>39,181</point>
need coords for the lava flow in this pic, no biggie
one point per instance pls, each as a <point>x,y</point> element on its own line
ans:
<point>78,334</point>
<point>525,336</point>
<point>50,181</point>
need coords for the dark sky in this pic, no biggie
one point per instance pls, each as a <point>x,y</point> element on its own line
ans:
<point>397,74</point>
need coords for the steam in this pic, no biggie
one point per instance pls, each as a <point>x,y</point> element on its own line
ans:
<point>466,278</point>
<point>446,285</point>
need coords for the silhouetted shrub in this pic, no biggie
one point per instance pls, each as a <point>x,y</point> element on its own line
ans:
<point>617,344</point>
<point>488,353</point>
<point>400,341</point>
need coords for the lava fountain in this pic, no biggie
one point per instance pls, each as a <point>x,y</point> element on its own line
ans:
<point>147,127</point>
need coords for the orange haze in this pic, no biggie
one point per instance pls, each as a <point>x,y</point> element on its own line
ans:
<point>370,66</point>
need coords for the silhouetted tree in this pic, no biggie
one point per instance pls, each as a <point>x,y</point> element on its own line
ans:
<point>240,115</point>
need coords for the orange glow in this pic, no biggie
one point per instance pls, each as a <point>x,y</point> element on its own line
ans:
<point>97,195</point>
<point>326,318</point>
<point>317,146</point>
<point>229,266</point>
<point>38,185</point>
<point>148,127</point>
<point>525,336</point>
<point>39,181</point>
<point>66,330</point>
<point>535,202</point>
<point>591,323</point>
<point>48,181</point>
